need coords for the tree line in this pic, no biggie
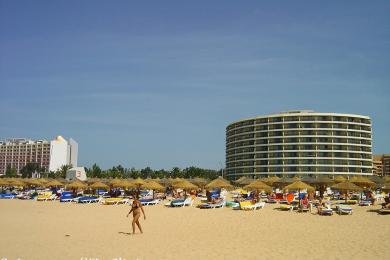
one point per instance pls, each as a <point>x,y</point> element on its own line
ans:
<point>115,172</point>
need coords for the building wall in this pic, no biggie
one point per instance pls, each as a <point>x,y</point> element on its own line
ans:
<point>386,164</point>
<point>58,153</point>
<point>17,152</point>
<point>73,152</point>
<point>299,142</point>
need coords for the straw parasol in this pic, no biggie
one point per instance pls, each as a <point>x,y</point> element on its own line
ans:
<point>3,182</point>
<point>270,180</point>
<point>33,182</point>
<point>54,183</point>
<point>363,182</point>
<point>152,185</point>
<point>16,183</point>
<point>44,181</point>
<point>76,184</point>
<point>322,182</point>
<point>138,182</point>
<point>258,185</point>
<point>246,181</point>
<point>339,179</point>
<point>299,185</point>
<point>99,185</point>
<point>201,182</point>
<point>386,187</point>
<point>346,186</point>
<point>285,181</point>
<point>185,185</point>
<point>92,180</point>
<point>124,184</point>
<point>219,183</point>
<point>240,179</point>
<point>308,179</point>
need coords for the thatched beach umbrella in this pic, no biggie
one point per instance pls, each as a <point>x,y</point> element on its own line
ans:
<point>54,183</point>
<point>16,183</point>
<point>34,182</point>
<point>298,186</point>
<point>363,182</point>
<point>284,181</point>
<point>346,187</point>
<point>152,185</point>
<point>385,187</point>
<point>322,182</point>
<point>258,185</point>
<point>201,182</point>
<point>339,179</point>
<point>185,185</point>
<point>125,184</point>
<point>138,182</point>
<point>240,179</point>
<point>99,185</point>
<point>76,184</point>
<point>3,182</point>
<point>246,181</point>
<point>219,183</point>
<point>93,180</point>
<point>270,180</point>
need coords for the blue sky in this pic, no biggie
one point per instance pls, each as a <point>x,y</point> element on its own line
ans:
<point>154,83</point>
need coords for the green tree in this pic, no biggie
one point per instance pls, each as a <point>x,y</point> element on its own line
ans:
<point>146,173</point>
<point>10,172</point>
<point>29,169</point>
<point>61,172</point>
<point>94,172</point>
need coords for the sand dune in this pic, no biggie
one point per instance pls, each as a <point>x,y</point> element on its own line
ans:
<point>51,230</point>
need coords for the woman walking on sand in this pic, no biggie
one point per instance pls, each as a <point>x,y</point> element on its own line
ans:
<point>136,208</point>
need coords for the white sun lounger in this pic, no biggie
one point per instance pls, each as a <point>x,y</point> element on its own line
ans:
<point>344,209</point>
<point>258,205</point>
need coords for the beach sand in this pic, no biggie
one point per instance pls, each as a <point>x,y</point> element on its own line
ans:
<point>53,230</point>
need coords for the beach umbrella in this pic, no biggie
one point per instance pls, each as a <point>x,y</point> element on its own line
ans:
<point>3,182</point>
<point>339,179</point>
<point>93,180</point>
<point>62,180</point>
<point>378,180</point>
<point>346,186</point>
<point>201,182</point>
<point>284,181</point>
<point>185,185</point>
<point>99,185</point>
<point>240,190</point>
<point>138,182</point>
<point>308,179</point>
<point>246,181</point>
<point>258,185</point>
<point>363,182</point>
<point>240,179</point>
<point>76,184</point>
<point>152,185</point>
<point>386,187</point>
<point>16,183</point>
<point>299,185</point>
<point>54,183</point>
<point>33,182</point>
<point>322,182</point>
<point>124,184</point>
<point>270,180</point>
<point>219,183</point>
<point>44,181</point>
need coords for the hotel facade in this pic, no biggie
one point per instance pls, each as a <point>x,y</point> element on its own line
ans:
<point>49,155</point>
<point>300,142</point>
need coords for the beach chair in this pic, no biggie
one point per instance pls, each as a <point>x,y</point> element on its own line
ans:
<point>325,211</point>
<point>180,202</point>
<point>258,205</point>
<point>212,205</point>
<point>243,204</point>
<point>365,203</point>
<point>7,196</point>
<point>286,207</point>
<point>149,202</point>
<point>46,196</point>
<point>343,209</point>
<point>89,199</point>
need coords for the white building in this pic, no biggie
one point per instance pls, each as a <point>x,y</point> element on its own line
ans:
<point>76,173</point>
<point>50,155</point>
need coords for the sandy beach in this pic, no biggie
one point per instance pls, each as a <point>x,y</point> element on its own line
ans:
<point>52,230</point>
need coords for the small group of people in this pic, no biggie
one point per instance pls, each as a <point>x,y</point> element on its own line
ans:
<point>386,204</point>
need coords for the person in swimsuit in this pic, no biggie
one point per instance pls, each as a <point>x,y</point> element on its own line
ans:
<point>136,208</point>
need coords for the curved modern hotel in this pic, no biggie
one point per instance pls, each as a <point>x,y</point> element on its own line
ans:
<point>300,142</point>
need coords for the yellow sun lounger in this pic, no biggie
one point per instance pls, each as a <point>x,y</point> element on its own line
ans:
<point>115,201</point>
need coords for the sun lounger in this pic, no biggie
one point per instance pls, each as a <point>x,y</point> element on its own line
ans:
<point>243,204</point>
<point>147,202</point>
<point>343,209</point>
<point>365,203</point>
<point>212,205</point>
<point>180,202</point>
<point>258,205</point>
<point>114,201</point>
<point>7,196</point>
<point>325,211</point>
<point>46,197</point>
<point>88,199</point>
